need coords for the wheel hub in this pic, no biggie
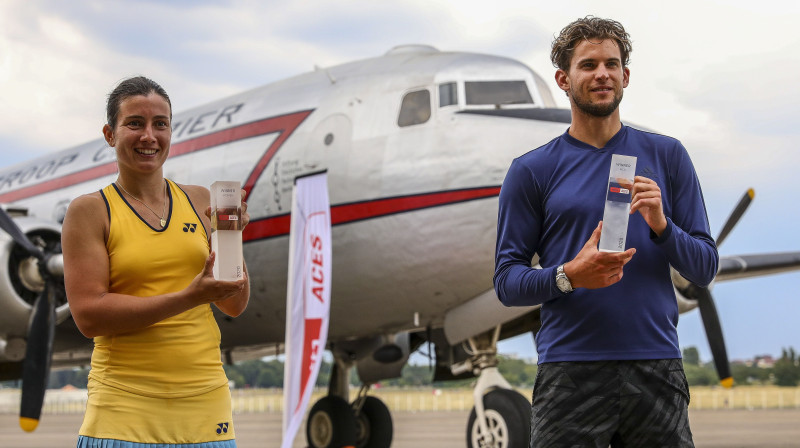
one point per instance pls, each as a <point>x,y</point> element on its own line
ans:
<point>321,429</point>
<point>498,431</point>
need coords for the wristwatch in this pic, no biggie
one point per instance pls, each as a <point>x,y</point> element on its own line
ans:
<point>562,281</point>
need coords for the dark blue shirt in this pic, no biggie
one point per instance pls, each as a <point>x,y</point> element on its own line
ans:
<point>552,199</point>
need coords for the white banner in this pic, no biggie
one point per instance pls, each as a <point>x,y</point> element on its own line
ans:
<point>307,297</point>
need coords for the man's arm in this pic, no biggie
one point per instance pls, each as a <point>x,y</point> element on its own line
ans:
<point>518,230</point>
<point>684,236</point>
<point>519,226</point>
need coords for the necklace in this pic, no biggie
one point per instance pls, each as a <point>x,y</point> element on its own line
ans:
<point>163,210</point>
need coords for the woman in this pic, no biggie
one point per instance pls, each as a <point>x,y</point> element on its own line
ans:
<point>141,286</point>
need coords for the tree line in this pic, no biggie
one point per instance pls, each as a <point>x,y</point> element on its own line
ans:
<point>268,373</point>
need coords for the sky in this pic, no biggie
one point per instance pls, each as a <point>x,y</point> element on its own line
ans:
<point>721,76</point>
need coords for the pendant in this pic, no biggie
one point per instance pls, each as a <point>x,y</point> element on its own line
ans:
<point>163,222</point>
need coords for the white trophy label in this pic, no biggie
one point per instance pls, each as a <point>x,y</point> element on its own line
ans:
<point>618,203</point>
<point>226,230</point>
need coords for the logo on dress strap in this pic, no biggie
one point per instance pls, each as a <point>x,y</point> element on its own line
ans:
<point>189,227</point>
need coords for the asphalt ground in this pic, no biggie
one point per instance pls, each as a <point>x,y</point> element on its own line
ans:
<point>712,429</point>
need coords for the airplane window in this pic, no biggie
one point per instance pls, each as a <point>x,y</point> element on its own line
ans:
<point>416,108</point>
<point>448,94</point>
<point>497,92</point>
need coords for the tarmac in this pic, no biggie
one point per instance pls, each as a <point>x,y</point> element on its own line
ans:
<point>711,429</point>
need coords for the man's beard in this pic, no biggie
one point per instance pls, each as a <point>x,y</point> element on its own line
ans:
<point>596,110</point>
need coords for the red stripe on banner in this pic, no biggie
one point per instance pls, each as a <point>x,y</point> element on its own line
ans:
<point>358,211</point>
<point>285,124</point>
<point>312,351</point>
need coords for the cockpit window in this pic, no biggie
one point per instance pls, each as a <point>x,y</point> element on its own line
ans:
<point>415,109</point>
<point>497,92</point>
<point>448,95</point>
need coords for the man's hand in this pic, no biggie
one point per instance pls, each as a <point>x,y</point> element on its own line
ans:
<point>593,269</point>
<point>647,200</point>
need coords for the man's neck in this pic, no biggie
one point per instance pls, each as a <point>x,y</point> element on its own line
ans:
<point>595,131</point>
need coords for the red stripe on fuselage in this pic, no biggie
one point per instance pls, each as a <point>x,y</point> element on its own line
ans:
<point>285,124</point>
<point>359,211</point>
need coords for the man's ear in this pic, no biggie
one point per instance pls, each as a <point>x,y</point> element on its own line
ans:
<point>626,77</point>
<point>562,79</point>
<point>108,134</point>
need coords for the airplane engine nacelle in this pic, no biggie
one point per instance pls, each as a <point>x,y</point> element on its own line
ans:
<point>378,357</point>
<point>680,284</point>
<point>20,281</point>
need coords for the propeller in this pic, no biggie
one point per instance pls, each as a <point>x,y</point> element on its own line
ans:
<point>705,302</point>
<point>737,213</point>
<point>41,330</point>
<point>711,323</point>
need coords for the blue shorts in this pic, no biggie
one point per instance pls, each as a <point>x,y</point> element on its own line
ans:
<point>611,403</point>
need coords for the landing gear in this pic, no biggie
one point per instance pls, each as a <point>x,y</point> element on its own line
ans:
<point>501,417</point>
<point>333,423</point>
<point>374,428</point>
<point>508,421</point>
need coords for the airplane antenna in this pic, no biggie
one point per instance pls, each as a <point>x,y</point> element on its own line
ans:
<point>318,68</point>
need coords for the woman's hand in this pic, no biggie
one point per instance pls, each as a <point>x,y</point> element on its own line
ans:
<point>205,288</point>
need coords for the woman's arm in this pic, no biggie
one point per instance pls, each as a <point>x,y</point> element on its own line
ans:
<point>96,311</point>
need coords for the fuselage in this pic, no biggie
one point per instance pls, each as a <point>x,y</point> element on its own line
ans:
<point>416,144</point>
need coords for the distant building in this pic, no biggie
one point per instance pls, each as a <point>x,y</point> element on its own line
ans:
<point>762,362</point>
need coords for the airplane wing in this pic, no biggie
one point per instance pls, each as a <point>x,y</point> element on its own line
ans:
<point>743,266</point>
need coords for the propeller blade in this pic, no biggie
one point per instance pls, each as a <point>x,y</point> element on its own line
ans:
<point>11,228</point>
<point>737,213</point>
<point>38,353</point>
<point>708,313</point>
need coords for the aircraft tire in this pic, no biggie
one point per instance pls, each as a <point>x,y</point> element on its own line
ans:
<point>508,415</point>
<point>331,423</point>
<point>374,428</point>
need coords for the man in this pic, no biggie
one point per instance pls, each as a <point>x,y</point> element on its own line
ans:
<point>610,371</point>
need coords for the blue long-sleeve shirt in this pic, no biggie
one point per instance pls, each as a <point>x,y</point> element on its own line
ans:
<point>552,199</point>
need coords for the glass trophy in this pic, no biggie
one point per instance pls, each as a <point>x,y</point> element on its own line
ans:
<point>226,230</point>
<point>618,203</point>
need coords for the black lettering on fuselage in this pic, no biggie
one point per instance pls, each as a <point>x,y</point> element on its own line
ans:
<point>39,171</point>
<point>53,167</point>
<point>102,153</point>
<point>203,122</point>
<point>176,127</point>
<point>198,125</point>
<point>227,112</point>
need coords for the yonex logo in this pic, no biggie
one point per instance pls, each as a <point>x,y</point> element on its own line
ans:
<point>222,428</point>
<point>189,227</point>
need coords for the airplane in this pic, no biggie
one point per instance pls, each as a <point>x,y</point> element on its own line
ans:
<point>416,144</point>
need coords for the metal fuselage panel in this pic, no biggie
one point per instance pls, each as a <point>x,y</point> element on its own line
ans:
<point>414,208</point>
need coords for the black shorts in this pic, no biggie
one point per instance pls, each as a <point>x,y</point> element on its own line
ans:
<point>611,403</point>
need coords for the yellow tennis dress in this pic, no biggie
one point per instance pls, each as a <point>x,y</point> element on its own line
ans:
<point>162,385</point>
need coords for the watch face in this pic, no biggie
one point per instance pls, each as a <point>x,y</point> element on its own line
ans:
<point>563,284</point>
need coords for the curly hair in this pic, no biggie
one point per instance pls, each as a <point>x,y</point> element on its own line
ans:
<point>587,28</point>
